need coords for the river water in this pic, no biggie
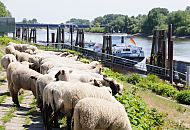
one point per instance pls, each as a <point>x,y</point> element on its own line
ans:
<point>181,47</point>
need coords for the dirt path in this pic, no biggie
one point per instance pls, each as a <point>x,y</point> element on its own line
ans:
<point>176,112</point>
<point>20,115</point>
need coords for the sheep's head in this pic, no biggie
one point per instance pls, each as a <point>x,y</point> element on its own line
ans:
<point>35,63</point>
<point>115,86</point>
<point>63,75</point>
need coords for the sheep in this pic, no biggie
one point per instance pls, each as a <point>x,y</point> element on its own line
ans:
<point>35,62</point>
<point>93,113</point>
<point>17,54</point>
<point>24,56</point>
<point>7,59</point>
<point>43,80</point>
<point>92,67</point>
<point>11,68</point>
<point>23,47</point>
<point>21,78</point>
<point>94,79</point>
<point>26,47</point>
<point>9,49</point>
<point>63,96</point>
<point>29,51</point>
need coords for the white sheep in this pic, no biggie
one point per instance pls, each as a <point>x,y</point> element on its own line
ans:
<point>7,59</point>
<point>9,49</point>
<point>63,96</point>
<point>44,80</point>
<point>21,78</point>
<point>10,69</point>
<point>93,113</point>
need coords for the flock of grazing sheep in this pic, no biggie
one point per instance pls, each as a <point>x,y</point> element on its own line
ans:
<point>62,84</point>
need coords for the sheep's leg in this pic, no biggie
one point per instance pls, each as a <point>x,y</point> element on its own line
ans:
<point>15,98</point>
<point>69,118</point>
<point>46,118</point>
<point>55,120</point>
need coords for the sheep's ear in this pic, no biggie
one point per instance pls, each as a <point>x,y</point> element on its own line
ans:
<point>58,73</point>
<point>62,72</point>
<point>33,77</point>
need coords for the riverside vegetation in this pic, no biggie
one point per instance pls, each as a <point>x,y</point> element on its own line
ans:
<point>140,115</point>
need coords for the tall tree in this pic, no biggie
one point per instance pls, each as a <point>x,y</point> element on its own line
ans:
<point>79,21</point>
<point>156,19</point>
<point>180,21</point>
<point>3,11</point>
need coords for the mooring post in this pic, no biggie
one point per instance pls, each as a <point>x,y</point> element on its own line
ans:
<point>104,44</point>
<point>110,45</point>
<point>35,35</point>
<point>77,38</point>
<point>53,37</point>
<point>59,37</point>
<point>171,62</point>
<point>63,35</point>
<point>28,33</point>
<point>153,47</point>
<point>169,39</point>
<point>47,33</point>
<point>82,44</point>
<point>71,31</point>
<point>188,77</point>
<point>170,53</point>
<point>164,49</point>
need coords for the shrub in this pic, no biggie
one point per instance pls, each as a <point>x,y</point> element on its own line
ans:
<point>183,97</point>
<point>140,116</point>
<point>153,78</point>
<point>134,79</point>
<point>5,40</point>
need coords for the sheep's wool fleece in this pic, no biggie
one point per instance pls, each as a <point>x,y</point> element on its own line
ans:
<point>101,114</point>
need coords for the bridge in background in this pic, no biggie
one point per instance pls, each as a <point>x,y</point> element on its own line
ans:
<point>38,25</point>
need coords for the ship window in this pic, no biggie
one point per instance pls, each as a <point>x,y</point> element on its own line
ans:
<point>126,49</point>
<point>134,51</point>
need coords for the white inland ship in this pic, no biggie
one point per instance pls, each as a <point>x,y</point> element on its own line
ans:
<point>122,46</point>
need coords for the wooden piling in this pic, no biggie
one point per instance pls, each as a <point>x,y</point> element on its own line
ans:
<point>53,37</point>
<point>171,62</point>
<point>47,33</point>
<point>63,35</point>
<point>71,31</point>
<point>77,38</point>
<point>18,32</point>
<point>82,39</point>
<point>170,53</point>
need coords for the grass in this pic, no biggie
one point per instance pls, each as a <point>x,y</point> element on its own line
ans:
<point>2,127</point>
<point>2,98</point>
<point>178,116</point>
<point>63,122</point>
<point>29,113</point>
<point>9,115</point>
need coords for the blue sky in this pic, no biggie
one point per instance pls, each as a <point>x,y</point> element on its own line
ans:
<point>57,11</point>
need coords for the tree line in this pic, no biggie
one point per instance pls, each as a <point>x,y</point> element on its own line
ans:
<point>4,12</point>
<point>157,18</point>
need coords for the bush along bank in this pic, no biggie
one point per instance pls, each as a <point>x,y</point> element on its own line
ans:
<point>140,116</point>
<point>153,83</point>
